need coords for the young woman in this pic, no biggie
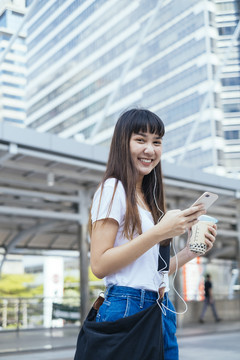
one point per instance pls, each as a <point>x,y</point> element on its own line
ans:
<point>129,222</point>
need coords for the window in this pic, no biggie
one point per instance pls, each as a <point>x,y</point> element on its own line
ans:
<point>231,134</point>
<point>228,30</point>
<point>226,6</point>
<point>233,81</point>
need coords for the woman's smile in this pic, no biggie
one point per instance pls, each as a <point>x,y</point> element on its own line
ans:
<point>146,162</point>
<point>146,150</point>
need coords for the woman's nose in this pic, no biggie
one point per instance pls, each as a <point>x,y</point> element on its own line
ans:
<point>149,148</point>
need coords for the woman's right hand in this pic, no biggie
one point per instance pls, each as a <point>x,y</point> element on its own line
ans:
<point>176,222</point>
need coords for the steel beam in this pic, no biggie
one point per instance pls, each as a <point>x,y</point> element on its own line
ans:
<point>23,166</point>
<point>33,213</point>
<point>38,194</point>
<point>199,186</point>
<point>33,230</point>
<point>63,159</point>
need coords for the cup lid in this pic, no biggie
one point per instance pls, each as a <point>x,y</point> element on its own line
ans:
<point>207,218</point>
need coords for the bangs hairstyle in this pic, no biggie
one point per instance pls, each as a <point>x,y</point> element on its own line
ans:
<point>141,120</point>
<point>120,166</point>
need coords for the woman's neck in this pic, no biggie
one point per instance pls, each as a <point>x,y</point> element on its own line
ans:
<point>139,184</point>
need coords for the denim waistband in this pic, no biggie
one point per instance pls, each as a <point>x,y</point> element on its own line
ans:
<point>123,291</point>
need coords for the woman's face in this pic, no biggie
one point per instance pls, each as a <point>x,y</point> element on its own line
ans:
<point>146,151</point>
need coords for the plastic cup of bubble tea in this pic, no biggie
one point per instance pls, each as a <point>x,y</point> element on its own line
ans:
<point>197,240</point>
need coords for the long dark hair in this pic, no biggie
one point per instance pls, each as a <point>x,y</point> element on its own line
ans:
<point>121,167</point>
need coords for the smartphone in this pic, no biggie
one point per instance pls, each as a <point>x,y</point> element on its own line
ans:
<point>207,199</point>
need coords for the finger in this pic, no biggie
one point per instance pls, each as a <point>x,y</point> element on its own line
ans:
<point>210,238</point>
<point>194,217</point>
<point>190,224</point>
<point>193,210</point>
<point>209,244</point>
<point>212,230</point>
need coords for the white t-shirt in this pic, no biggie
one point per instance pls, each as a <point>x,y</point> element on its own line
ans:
<point>142,273</point>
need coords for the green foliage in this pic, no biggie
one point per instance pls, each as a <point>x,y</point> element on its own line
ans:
<point>71,282</point>
<point>71,287</point>
<point>19,285</point>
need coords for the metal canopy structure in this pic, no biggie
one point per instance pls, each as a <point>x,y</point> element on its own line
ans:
<point>46,186</point>
<point>42,181</point>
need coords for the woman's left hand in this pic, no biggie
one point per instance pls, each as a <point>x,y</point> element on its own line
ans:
<point>209,240</point>
<point>210,237</point>
<point>186,255</point>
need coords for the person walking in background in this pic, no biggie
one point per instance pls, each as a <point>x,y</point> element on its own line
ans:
<point>208,301</point>
<point>131,232</point>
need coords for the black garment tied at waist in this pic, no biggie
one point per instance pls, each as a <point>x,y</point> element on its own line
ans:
<point>136,337</point>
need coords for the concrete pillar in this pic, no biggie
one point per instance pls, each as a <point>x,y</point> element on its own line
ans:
<point>84,205</point>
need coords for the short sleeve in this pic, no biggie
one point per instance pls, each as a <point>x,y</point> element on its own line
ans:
<point>118,208</point>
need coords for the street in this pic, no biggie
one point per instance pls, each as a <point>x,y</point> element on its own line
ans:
<point>210,347</point>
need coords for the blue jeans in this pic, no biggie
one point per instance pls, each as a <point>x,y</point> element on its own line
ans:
<point>122,301</point>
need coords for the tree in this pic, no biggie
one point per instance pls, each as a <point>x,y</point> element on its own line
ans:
<point>19,285</point>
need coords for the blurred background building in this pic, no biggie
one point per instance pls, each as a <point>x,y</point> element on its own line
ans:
<point>12,62</point>
<point>227,17</point>
<point>90,60</point>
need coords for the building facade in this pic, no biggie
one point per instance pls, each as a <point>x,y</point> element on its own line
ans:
<point>12,63</point>
<point>227,20</point>
<point>90,60</point>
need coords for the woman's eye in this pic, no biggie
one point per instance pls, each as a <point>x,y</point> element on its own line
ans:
<point>140,140</point>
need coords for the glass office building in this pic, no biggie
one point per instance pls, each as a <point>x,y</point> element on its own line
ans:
<point>12,63</point>
<point>227,18</point>
<point>89,60</point>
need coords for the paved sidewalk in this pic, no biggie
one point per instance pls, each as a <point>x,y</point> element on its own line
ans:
<point>60,343</point>
<point>60,354</point>
<point>212,346</point>
<point>37,340</point>
<point>208,328</point>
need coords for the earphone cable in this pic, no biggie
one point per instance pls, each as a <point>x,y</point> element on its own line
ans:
<point>161,271</point>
